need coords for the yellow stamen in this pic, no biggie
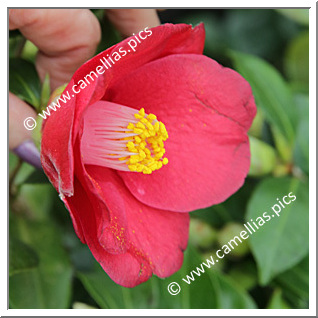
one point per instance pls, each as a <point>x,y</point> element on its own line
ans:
<point>147,144</point>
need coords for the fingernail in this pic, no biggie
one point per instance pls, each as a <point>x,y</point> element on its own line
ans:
<point>28,152</point>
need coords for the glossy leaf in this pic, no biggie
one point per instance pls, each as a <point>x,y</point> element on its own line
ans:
<point>24,81</point>
<point>301,150</point>
<point>29,51</point>
<point>284,149</point>
<point>21,257</point>
<point>283,240</point>
<point>48,285</point>
<point>295,284</point>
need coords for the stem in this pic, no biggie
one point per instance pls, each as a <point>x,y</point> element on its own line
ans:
<point>20,47</point>
<point>12,188</point>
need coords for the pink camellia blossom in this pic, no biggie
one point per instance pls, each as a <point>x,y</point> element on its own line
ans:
<point>160,133</point>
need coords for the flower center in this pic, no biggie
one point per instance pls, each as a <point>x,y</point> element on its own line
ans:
<point>123,138</point>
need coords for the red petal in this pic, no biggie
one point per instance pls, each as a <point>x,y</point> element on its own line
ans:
<point>156,238</point>
<point>61,128</point>
<point>207,110</point>
<point>151,241</point>
<point>130,240</point>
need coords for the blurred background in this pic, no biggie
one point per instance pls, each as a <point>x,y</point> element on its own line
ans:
<point>50,268</point>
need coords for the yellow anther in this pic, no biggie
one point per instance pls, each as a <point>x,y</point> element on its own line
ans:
<point>137,131</point>
<point>147,144</point>
<point>139,168</point>
<point>132,167</point>
<point>153,166</point>
<point>131,126</point>
<point>140,125</point>
<point>149,126</point>
<point>159,155</point>
<point>137,116</point>
<point>130,145</point>
<point>142,154</point>
<point>137,139</point>
<point>142,112</point>
<point>157,126</point>
<point>160,142</point>
<point>163,129</point>
<point>152,117</point>
<point>147,170</point>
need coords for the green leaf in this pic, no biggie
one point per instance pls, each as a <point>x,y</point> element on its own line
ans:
<point>277,301</point>
<point>263,157</point>
<point>272,94</point>
<point>214,290</point>
<point>295,284</point>
<point>283,240</point>
<point>301,150</point>
<point>37,199</point>
<point>16,45</point>
<point>282,146</point>
<point>297,59</point>
<point>29,51</point>
<point>230,295</point>
<point>24,81</point>
<point>298,15</point>
<point>48,285</point>
<point>21,256</point>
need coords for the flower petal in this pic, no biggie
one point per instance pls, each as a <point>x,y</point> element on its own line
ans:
<point>207,110</point>
<point>156,238</point>
<point>130,240</point>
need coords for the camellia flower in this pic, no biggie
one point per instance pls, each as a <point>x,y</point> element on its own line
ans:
<point>161,132</point>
